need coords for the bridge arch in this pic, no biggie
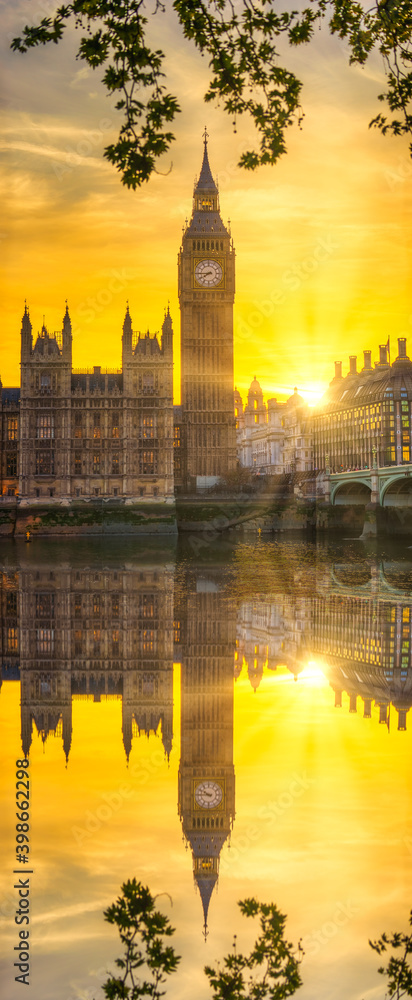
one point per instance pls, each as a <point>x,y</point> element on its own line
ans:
<point>352,491</point>
<point>397,491</point>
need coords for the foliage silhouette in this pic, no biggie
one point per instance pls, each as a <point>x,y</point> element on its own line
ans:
<point>272,956</point>
<point>244,44</point>
<point>399,968</point>
<point>142,928</point>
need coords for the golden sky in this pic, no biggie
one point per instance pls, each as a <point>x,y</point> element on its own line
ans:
<point>323,239</point>
<point>322,803</point>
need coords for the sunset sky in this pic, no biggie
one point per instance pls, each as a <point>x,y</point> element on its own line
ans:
<point>323,239</point>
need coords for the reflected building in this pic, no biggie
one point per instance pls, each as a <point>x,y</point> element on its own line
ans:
<point>10,621</point>
<point>357,625</point>
<point>93,634</point>
<point>366,643</point>
<point>206,773</point>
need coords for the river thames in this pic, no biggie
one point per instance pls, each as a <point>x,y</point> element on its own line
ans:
<point>218,721</point>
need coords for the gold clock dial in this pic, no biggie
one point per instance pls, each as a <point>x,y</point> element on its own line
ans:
<point>208,794</point>
<point>208,273</point>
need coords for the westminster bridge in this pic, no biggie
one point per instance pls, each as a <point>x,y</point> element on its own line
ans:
<point>387,486</point>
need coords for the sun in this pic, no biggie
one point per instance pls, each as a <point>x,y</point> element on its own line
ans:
<point>312,393</point>
<point>312,674</point>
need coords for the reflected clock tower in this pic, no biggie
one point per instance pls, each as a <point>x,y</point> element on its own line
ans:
<point>206,295</point>
<point>206,773</point>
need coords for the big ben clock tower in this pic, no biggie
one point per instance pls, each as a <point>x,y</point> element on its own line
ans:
<point>206,295</point>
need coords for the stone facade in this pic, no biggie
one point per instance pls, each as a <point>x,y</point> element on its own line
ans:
<point>89,433</point>
<point>273,438</point>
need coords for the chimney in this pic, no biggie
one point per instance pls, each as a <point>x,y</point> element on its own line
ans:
<point>382,354</point>
<point>383,714</point>
<point>338,369</point>
<point>402,719</point>
<point>352,364</point>
<point>401,348</point>
<point>367,366</point>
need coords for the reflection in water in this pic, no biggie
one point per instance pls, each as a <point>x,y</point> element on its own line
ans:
<point>206,775</point>
<point>97,632</point>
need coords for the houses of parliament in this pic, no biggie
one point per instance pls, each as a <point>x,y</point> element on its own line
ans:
<point>69,433</point>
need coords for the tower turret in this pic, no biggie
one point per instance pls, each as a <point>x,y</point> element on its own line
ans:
<point>167,333</point>
<point>127,335</point>
<point>26,335</point>
<point>67,336</point>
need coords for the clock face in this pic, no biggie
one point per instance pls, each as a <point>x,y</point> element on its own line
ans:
<point>208,794</point>
<point>208,273</point>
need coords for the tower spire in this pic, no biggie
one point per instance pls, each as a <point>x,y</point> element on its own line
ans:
<point>205,183</point>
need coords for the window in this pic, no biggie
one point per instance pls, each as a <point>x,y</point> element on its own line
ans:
<point>78,430</point>
<point>44,463</point>
<point>148,605</point>
<point>45,426</point>
<point>96,640</point>
<point>12,640</point>
<point>78,642</point>
<point>115,641</point>
<point>77,605</point>
<point>77,463</point>
<point>45,381</point>
<point>96,604</point>
<point>148,427</point>
<point>44,605</point>
<point>147,640</point>
<point>11,464</point>
<point>11,605</point>
<point>115,605</point>
<point>115,425</point>
<point>96,428</point>
<point>176,437</point>
<point>12,428</point>
<point>96,462</point>
<point>115,464</point>
<point>147,463</point>
<point>44,640</point>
